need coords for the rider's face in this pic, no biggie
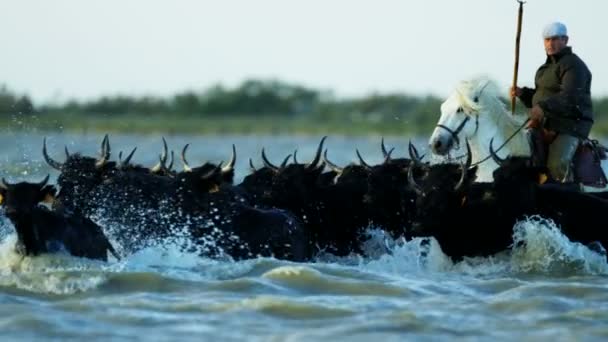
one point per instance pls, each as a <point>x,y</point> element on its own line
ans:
<point>553,45</point>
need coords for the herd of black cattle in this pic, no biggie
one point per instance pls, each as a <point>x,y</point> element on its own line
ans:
<point>290,210</point>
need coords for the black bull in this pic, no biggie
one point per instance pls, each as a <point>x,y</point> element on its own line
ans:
<point>337,206</point>
<point>40,230</point>
<point>144,208</point>
<point>477,219</point>
<point>199,204</point>
<point>330,210</point>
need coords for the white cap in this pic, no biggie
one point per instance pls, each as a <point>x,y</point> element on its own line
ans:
<point>555,29</point>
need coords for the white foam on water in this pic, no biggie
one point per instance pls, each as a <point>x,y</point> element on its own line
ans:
<point>52,274</point>
<point>406,257</point>
<point>539,247</point>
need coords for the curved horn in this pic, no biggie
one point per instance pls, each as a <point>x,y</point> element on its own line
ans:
<point>165,151</point>
<point>163,158</point>
<point>67,153</point>
<point>160,166</point>
<point>267,163</point>
<point>295,157</point>
<point>412,182</point>
<point>387,156</point>
<point>128,159</point>
<point>251,165</point>
<point>385,152</point>
<point>105,152</point>
<point>284,163</point>
<point>314,162</point>
<point>230,166</point>
<point>463,172</point>
<point>171,162</point>
<point>495,156</point>
<point>108,150</point>
<point>3,184</point>
<point>414,155</point>
<point>362,162</point>
<point>54,164</point>
<point>331,165</point>
<point>187,167</point>
<point>44,181</point>
<point>105,148</point>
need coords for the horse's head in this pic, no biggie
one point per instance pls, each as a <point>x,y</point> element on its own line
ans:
<point>460,114</point>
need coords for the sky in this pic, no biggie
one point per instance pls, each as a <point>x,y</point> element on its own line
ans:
<point>82,49</point>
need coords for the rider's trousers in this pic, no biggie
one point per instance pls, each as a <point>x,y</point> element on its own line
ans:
<point>559,158</point>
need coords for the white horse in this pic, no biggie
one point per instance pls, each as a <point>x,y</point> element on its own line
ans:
<point>475,112</point>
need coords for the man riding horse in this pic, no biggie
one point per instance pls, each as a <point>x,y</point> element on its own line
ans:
<point>561,110</point>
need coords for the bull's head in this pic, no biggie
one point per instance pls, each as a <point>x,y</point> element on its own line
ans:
<point>439,171</point>
<point>161,168</point>
<point>124,164</point>
<point>296,182</point>
<point>210,171</point>
<point>21,197</point>
<point>442,190</point>
<point>80,175</point>
<point>98,163</point>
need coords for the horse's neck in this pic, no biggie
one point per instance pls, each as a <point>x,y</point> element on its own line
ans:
<point>491,128</point>
<point>480,152</point>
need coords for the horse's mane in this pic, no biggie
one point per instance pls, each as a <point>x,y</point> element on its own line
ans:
<point>489,102</point>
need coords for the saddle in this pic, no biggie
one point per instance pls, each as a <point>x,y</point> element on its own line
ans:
<point>586,165</point>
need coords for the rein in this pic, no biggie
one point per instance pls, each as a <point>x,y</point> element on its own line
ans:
<point>500,147</point>
<point>455,132</point>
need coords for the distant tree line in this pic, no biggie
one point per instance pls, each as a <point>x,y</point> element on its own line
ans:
<point>11,103</point>
<point>253,98</point>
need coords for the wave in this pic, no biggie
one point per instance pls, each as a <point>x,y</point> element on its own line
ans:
<point>306,279</point>
<point>291,308</point>
<point>539,248</point>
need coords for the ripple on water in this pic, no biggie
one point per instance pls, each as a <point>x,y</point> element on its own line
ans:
<point>289,308</point>
<point>309,280</point>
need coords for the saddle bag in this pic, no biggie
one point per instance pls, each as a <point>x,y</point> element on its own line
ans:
<point>587,165</point>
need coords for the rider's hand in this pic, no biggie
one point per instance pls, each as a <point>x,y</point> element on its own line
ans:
<point>536,113</point>
<point>516,91</point>
<point>533,124</point>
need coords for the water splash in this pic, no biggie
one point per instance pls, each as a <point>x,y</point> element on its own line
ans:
<point>52,273</point>
<point>540,246</point>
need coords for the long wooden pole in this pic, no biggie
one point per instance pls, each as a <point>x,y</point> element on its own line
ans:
<point>517,38</point>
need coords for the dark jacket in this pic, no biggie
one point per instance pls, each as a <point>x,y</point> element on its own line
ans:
<point>563,91</point>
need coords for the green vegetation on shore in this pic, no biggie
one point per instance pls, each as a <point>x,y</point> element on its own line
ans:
<point>246,125</point>
<point>254,107</point>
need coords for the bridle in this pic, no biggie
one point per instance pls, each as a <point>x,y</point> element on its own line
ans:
<point>454,133</point>
<point>461,126</point>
